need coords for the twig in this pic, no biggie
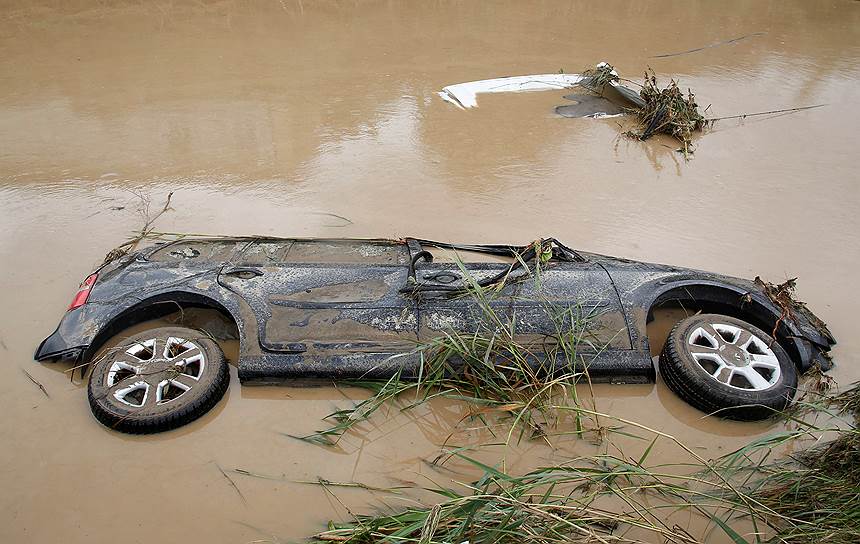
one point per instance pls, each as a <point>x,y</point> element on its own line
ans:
<point>244,472</point>
<point>35,381</point>
<point>782,296</point>
<point>322,482</point>
<point>145,231</point>
<point>745,115</point>
<point>358,485</point>
<point>232,483</point>
<point>334,215</point>
<point>716,44</point>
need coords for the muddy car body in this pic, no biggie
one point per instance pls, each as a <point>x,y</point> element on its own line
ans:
<point>345,308</point>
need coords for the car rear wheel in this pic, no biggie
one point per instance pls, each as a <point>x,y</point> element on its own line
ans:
<point>158,380</point>
<point>727,366</point>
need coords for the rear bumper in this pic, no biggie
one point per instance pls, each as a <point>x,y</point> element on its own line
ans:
<point>69,341</point>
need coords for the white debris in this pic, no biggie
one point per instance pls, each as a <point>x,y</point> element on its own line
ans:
<point>465,95</point>
<point>604,115</point>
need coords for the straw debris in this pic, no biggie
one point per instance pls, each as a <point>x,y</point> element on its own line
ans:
<point>598,77</point>
<point>668,111</point>
<point>664,110</point>
<point>783,295</point>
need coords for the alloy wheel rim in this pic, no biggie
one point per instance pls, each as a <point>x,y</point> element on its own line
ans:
<point>154,372</point>
<point>734,356</point>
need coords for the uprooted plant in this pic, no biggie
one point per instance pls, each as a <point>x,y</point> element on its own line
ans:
<point>597,78</point>
<point>664,110</point>
<point>669,111</point>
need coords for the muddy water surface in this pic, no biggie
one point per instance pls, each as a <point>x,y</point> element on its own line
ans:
<point>321,119</point>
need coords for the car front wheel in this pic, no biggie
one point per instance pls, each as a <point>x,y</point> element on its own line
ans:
<point>728,367</point>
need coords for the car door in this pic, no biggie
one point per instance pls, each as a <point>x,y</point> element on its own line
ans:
<point>327,297</point>
<point>567,296</point>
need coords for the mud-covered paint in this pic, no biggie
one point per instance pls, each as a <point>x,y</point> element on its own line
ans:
<point>363,316</point>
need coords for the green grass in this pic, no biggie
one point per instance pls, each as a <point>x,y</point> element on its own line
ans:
<point>809,497</point>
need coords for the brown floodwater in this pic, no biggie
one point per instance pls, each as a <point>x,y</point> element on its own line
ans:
<point>300,118</point>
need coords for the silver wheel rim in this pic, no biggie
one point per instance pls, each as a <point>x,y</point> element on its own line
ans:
<point>734,356</point>
<point>155,371</point>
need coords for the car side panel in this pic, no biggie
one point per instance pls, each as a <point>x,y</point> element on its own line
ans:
<point>567,296</point>
<point>320,308</point>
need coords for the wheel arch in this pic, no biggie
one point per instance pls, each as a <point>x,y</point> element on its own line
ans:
<point>157,306</point>
<point>734,301</point>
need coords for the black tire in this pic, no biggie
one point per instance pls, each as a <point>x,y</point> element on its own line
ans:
<point>165,366</point>
<point>737,393</point>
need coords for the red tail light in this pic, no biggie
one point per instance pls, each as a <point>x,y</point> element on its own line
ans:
<point>83,292</point>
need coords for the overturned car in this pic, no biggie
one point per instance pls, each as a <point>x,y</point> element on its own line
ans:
<point>357,308</point>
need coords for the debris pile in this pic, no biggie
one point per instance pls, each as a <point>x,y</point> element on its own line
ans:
<point>783,295</point>
<point>669,111</point>
<point>597,78</point>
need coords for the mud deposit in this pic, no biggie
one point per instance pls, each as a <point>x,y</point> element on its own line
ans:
<point>300,118</point>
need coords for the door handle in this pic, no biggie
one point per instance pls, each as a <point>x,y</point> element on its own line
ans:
<point>243,272</point>
<point>444,277</point>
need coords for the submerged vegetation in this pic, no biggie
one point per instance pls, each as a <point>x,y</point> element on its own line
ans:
<point>818,494</point>
<point>809,497</point>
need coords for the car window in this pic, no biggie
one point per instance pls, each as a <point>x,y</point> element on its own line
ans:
<point>347,252</point>
<point>444,255</point>
<point>194,250</point>
<point>265,252</point>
